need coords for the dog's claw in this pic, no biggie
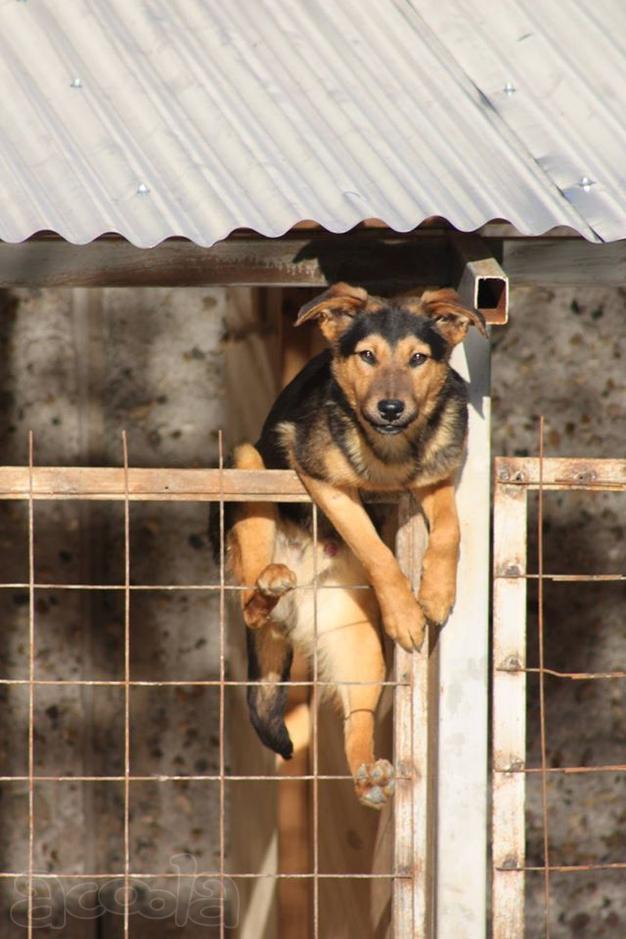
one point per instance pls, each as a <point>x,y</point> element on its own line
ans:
<point>374,783</point>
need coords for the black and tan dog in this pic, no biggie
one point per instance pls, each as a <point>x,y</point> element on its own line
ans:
<point>381,410</point>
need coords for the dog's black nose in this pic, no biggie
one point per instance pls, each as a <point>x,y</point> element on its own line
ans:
<point>391,408</point>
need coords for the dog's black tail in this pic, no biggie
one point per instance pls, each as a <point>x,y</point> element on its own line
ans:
<point>269,662</point>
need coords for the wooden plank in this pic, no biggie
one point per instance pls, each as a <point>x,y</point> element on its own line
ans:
<point>509,711</point>
<point>187,485</point>
<point>162,485</point>
<point>300,259</point>
<point>414,808</point>
<point>562,472</point>
<point>574,262</point>
<point>383,260</point>
<point>249,372</point>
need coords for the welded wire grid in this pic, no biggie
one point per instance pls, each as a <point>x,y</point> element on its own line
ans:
<point>515,477</point>
<point>65,487</point>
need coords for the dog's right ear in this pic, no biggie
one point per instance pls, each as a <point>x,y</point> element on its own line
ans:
<point>335,309</point>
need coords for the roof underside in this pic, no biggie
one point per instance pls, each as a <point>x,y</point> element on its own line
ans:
<point>156,119</point>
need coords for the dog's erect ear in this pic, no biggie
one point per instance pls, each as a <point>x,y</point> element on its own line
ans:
<point>451,318</point>
<point>335,309</point>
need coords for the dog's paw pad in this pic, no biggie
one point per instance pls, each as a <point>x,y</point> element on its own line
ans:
<point>276,580</point>
<point>375,783</point>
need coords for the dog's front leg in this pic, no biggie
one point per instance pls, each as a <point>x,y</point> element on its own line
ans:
<point>439,568</point>
<point>401,614</point>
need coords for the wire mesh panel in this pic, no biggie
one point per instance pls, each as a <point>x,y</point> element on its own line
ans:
<point>512,776</point>
<point>406,874</point>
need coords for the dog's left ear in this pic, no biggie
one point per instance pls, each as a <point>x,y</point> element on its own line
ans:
<point>335,309</point>
<point>451,318</point>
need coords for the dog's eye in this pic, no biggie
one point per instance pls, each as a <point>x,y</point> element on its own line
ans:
<point>368,356</point>
<point>417,359</point>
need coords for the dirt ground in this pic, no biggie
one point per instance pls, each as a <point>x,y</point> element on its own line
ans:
<point>78,366</point>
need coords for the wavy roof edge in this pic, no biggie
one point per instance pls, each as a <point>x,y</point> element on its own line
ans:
<point>160,120</point>
<point>304,227</point>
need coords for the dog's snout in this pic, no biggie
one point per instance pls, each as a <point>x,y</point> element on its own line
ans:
<point>391,408</point>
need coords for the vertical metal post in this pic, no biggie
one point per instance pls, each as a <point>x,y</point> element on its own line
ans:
<point>463,679</point>
<point>509,707</point>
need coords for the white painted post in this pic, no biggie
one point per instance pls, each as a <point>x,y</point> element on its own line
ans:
<point>463,673</point>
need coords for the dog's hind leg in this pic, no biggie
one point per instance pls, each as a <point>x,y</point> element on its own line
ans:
<point>351,651</point>
<point>251,549</point>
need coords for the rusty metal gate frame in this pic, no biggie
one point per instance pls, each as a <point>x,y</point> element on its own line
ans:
<point>514,478</point>
<point>411,872</point>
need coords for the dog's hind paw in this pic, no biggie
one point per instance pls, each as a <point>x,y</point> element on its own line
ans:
<point>375,783</point>
<point>276,580</point>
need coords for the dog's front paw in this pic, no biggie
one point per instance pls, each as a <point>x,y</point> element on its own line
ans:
<point>404,620</point>
<point>436,602</point>
<point>375,783</point>
<point>276,580</point>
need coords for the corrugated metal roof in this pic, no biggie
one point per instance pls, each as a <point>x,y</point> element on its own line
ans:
<point>155,118</point>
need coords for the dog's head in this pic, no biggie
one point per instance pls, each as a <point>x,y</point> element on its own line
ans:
<point>390,357</point>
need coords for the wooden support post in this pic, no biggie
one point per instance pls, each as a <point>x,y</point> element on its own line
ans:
<point>250,372</point>
<point>509,706</point>
<point>464,643</point>
<point>414,757</point>
<point>294,797</point>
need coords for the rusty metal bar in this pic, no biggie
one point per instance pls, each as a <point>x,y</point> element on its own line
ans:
<point>247,875</point>
<point>164,777</point>
<point>126,691</point>
<point>31,685</point>
<point>315,734</point>
<point>570,868</point>
<point>566,770</point>
<point>542,704</point>
<point>222,653</point>
<point>191,682</point>
<point>575,676</point>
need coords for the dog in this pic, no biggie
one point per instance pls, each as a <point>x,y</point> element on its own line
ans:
<point>381,410</point>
